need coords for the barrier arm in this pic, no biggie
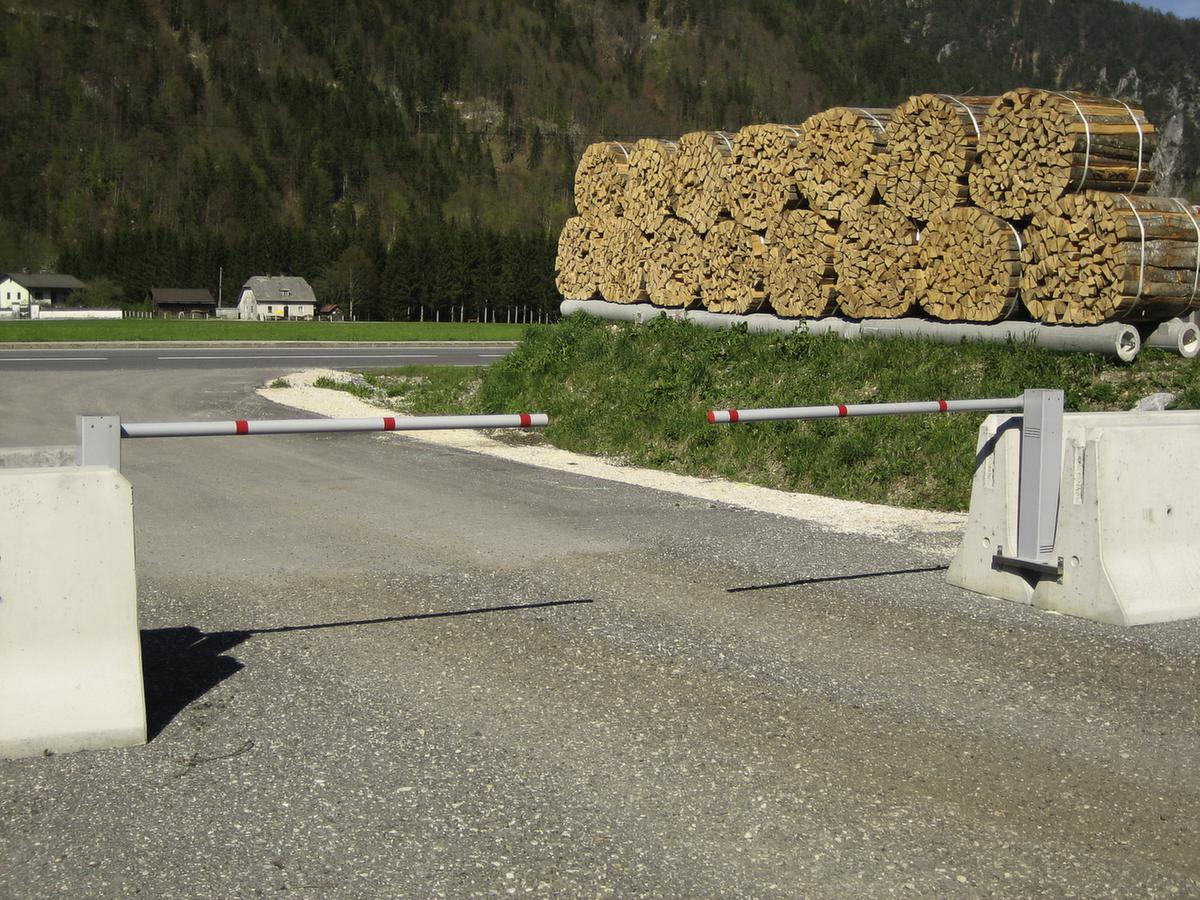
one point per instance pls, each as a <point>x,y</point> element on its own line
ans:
<point>1040,474</point>
<point>100,436</point>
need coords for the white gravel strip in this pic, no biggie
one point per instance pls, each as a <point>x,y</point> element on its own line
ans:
<point>932,530</point>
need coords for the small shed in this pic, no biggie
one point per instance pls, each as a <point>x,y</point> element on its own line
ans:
<point>182,301</point>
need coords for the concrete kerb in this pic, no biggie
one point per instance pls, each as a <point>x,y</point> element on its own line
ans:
<point>249,345</point>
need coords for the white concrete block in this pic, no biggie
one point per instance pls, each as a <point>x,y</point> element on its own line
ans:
<point>70,652</point>
<point>1128,528</point>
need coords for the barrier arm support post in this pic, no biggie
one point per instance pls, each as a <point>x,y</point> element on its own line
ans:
<point>1040,470</point>
<point>1038,486</point>
<point>99,441</point>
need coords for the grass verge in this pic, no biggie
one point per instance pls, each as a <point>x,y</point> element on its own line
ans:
<point>414,390</point>
<point>639,394</point>
<point>215,330</point>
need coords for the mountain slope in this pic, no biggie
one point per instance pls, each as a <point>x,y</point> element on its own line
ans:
<point>165,139</point>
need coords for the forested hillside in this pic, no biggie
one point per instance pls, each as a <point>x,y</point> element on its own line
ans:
<point>420,154</point>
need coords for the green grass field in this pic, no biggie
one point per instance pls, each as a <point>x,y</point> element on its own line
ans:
<point>215,330</point>
<point>639,393</point>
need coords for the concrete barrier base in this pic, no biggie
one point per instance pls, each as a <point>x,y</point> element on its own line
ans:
<point>1128,531</point>
<point>70,652</point>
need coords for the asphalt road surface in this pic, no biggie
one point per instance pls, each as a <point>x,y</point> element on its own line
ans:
<point>380,668</point>
<point>168,356</point>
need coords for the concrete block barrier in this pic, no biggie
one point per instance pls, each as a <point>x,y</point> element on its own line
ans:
<point>70,653</point>
<point>1128,526</point>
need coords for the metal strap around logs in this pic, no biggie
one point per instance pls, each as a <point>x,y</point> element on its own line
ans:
<point>1039,477</point>
<point>100,436</point>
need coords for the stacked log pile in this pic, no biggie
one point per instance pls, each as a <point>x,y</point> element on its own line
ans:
<point>801,279</point>
<point>840,158</point>
<point>623,276</point>
<point>873,260</point>
<point>650,186</point>
<point>764,173</point>
<point>735,262</point>
<point>578,264</point>
<point>600,180</point>
<point>1039,146</point>
<point>971,209</point>
<point>1097,257</point>
<point>701,180</point>
<point>931,145</point>
<point>967,267</point>
<point>674,264</point>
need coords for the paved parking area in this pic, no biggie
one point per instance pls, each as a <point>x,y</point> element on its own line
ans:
<point>377,667</point>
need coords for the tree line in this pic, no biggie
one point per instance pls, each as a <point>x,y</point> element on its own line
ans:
<point>325,138</point>
<point>431,269</point>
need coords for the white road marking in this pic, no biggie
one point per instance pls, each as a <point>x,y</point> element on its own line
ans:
<point>54,358</point>
<point>313,356</point>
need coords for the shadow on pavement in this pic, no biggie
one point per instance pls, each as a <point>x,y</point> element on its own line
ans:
<point>181,665</point>
<point>416,617</point>
<point>824,578</point>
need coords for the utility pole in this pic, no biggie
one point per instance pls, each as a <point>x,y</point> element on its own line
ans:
<point>220,282</point>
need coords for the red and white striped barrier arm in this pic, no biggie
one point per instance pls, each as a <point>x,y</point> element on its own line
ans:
<point>307,426</point>
<point>842,410</point>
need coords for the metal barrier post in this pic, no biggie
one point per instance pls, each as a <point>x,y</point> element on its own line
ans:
<point>100,436</point>
<point>1038,482</point>
<point>99,441</point>
<point>325,426</point>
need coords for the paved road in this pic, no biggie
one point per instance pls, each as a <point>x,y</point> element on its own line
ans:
<point>223,356</point>
<point>378,668</point>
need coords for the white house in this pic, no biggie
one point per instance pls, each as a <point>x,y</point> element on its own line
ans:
<point>19,290</point>
<point>276,297</point>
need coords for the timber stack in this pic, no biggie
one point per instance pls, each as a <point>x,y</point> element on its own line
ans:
<point>674,263</point>
<point>600,180</point>
<point>932,142</point>
<point>764,173</point>
<point>873,260</point>
<point>735,261</point>
<point>701,178</point>
<point>578,264</point>
<point>1039,146</point>
<point>650,187</point>
<point>1097,257</point>
<point>623,275</point>
<point>801,278</point>
<point>840,158</point>
<point>967,267</point>
<point>1031,204</point>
